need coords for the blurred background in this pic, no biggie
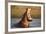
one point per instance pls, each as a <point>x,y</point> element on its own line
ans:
<point>17,14</point>
<point>18,11</point>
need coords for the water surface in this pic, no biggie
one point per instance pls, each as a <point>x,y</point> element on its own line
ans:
<point>34,23</point>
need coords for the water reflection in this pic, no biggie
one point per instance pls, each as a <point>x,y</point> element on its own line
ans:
<point>34,23</point>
